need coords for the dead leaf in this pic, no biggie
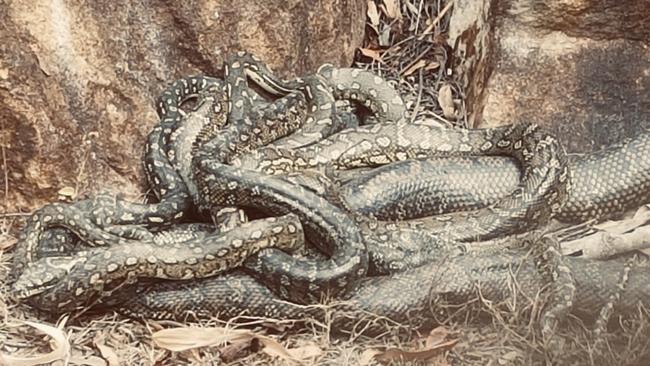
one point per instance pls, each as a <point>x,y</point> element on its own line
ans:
<point>432,66</point>
<point>414,67</point>
<point>373,14</point>
<point>373,54</point>
<point>412,8</point>
<point>88,361</point>
<point>4,74</point>
<point>446,101</point>
<point>108,353</point>
<point>391,9</point>
<point>384,37</point>
<point>396,354</point>
<point>7,241</point>
<point>436,336</point>
<point>309,351</point>
<point>234,350</point>
<point>399,355</point>
<point>186,338</point>
<point>60,351</point>
<point>368,356</point>
<point>275,349</point>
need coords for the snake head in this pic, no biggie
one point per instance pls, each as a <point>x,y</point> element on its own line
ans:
<point>42,275</point>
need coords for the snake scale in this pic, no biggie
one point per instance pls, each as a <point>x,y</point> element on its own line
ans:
<point>605,182</point>
<point>413,298</point>
<point>269,263</point>
<point>209,253</point>
<point>249,159</point>
<point>105,219</point>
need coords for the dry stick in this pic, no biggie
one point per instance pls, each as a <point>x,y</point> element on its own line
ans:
<point>575,232</point>
<point>417,19</point>
<point>604,244</point>
<point>437,20</point>
<point>419,98</point>
<point>15,214</point>
<point>5,169</point>
<point>416,59</point>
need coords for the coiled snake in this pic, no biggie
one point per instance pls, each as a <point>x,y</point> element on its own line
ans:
<point>539,194</point>
<point>604,183</point>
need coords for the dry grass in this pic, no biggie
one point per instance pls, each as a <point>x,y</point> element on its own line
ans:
<point>410,50</point>
<point>487,334</point>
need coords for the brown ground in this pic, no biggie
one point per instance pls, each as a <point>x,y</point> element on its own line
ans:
<point>411,46</point>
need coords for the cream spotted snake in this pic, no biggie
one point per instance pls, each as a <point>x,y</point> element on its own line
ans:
<point>247,159</point>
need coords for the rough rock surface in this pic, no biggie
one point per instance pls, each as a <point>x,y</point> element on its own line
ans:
<point>581,67</point>
<point>78,80</point>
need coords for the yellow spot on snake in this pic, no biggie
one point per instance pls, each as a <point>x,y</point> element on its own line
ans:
<point>383,141</point>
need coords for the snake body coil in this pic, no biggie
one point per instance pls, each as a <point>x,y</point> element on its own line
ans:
<point>409,298</point>
<point>604,183</point>
<point>254,155</point>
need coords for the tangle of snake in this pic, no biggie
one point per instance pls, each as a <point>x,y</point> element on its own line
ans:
<point>253,155</point>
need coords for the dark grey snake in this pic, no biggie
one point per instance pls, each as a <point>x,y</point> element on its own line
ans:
<point>167,182</point>
<point>604,183</point>
<point>196,253</point>
<point>536,197</point>
<point>413,298</point>
<point>104,219</point>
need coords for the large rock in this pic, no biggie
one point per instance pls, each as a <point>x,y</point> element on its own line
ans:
<point>78,80</point>
<point>581,67</point>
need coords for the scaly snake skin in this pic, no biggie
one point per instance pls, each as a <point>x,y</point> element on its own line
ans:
<point>106,219</point>
<point>535,199</point>
<point>413,298</point>
<point>269,263</point>
<point>332,230</point>
<point>96,271</point>
<point>605,182</point>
